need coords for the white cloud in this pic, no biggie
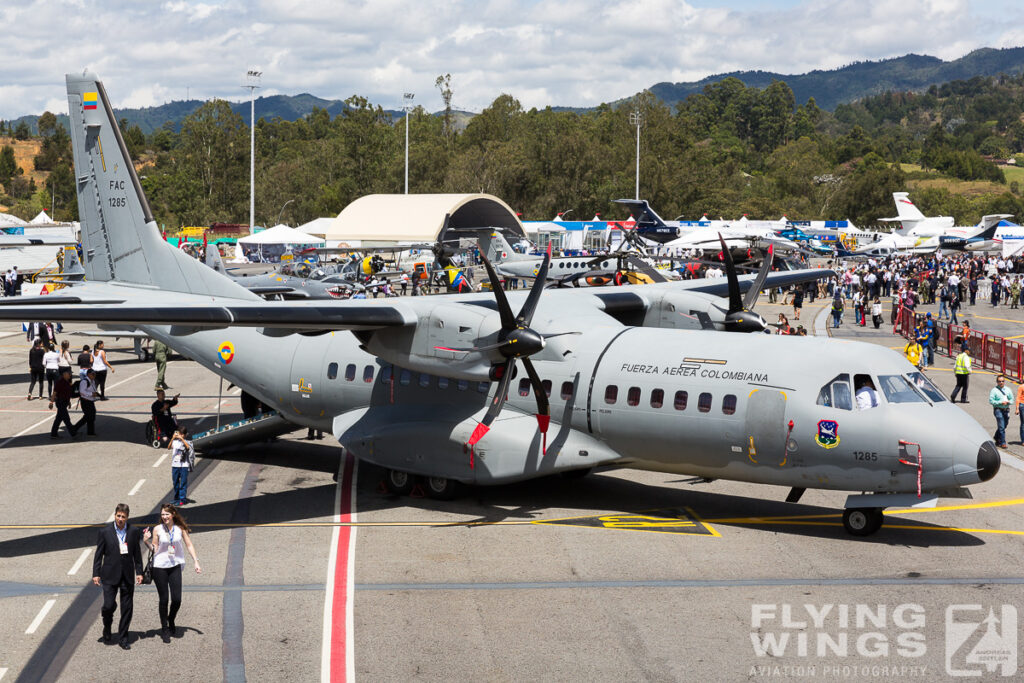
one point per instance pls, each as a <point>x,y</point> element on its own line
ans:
<point>543,52</point>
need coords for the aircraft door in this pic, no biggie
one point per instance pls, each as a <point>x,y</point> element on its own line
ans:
<point>306,380</point>
<point>766,427</point>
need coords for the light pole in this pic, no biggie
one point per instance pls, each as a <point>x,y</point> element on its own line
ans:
<point>407,100</point>
<point>252,82</point>
<point>635,119</point>
<point>281,212</point>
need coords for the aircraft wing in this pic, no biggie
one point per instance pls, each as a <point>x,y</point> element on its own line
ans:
<point>22,241</point>
<point>274,314</point>
<point>779,278</point>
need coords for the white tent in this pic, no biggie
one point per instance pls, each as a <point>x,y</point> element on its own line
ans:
<point>281,234</point>
<point>41,219</point>
<point>317,226</point>
<point>9,221</point>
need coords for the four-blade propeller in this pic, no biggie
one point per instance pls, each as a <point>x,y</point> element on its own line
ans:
<point>741,317</point>
<point>516,340</point>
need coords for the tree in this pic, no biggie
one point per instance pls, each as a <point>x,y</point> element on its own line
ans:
<point>444,85</point>
<point>8,166</point>
<point>47,124</point>
<point>22,132</point>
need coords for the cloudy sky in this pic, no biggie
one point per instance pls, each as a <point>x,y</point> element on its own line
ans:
<point>564,52</point>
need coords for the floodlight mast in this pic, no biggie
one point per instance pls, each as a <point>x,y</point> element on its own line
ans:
<point>407,108</point>
<point>252,82</point>
<point>635,119</point>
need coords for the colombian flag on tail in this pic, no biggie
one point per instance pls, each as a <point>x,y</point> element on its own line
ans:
<point>89,100</point>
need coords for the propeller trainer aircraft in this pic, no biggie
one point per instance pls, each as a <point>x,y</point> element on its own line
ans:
<point>428,386</point>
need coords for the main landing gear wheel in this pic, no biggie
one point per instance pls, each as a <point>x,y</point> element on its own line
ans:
<point>399,483</point>
<point>862,521</point>
<point>440,488</point>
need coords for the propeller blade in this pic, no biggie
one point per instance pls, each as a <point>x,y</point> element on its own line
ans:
<point>543,406</point>
<point>549,335</point>
<point>762,275</point>
<point>735,300</point>
<point>508,321</point>
<point>497,403</point>
<point>525,316</point>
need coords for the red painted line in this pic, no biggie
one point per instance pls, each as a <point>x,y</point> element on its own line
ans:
<point>341,655</point>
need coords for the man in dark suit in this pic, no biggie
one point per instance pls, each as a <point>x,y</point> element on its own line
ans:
<point>117,565</point>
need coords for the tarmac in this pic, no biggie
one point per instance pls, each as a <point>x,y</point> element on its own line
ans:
<point>622,575</point>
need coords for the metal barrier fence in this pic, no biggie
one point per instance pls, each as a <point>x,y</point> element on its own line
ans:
<point>988,351</point>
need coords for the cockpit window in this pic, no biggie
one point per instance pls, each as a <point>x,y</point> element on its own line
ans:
<point>836,394</point>
<point>898,389</point>
<point>925,386</point>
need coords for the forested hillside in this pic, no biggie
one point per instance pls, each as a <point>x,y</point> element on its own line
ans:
<point>863,79</point>
<point>728,150</point>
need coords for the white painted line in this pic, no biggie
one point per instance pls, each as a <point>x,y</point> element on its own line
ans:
<point>39,617</point>
<point>26,430</point>
<point>80,561</point>
<point>3,672</point>
<point>135,489</point>
<point>160,460</point>
<point>110,518</point>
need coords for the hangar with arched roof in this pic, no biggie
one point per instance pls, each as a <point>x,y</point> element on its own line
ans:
<point>384,220</point>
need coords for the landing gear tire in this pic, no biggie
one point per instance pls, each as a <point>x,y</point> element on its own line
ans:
<point>440,488</point>
<point>399,483</point>
<point>862,521</point>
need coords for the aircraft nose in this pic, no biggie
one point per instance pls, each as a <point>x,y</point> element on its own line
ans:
<point>988,461</point>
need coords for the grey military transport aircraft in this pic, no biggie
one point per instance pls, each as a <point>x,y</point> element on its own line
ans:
<point>419,385</point>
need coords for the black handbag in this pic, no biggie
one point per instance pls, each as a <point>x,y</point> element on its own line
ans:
<point>147,573</point>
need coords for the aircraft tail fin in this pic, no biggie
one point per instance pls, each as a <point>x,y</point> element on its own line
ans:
<point>72,265</point>
<point>496,248</point>
<point>120,239</point>
<point>906,210</point>
<point>213,259</point>
<point>990,223</point>
<point>643,213</point>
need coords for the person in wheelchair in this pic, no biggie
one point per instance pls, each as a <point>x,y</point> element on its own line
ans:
<point>165,422</point>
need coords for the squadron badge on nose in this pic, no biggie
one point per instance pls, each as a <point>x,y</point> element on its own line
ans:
<point>828,434</point>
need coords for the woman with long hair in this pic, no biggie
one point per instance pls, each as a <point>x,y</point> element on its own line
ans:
<point>101,366</point>
<point>169,540</point>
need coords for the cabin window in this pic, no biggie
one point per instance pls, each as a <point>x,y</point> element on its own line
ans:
<point>483,387</point>
<point>332,371</point>
<point>611,394</point>
<point>462,385</point>
<point>898,389</point>
<point>350,372</point>
<point>546,384</point>
<point>368,374</point>
<point>680,400</point>
<point>925,386</point>
<point>633,396</point>
<point>837,393</point>
<point>566,391</point>
<point>385,374</point>
<point>403,377</point>
<point>524,386</point>
<point>424,380</point>
<point>729,404</point>
<point>442,382</point>
<point>657,398</point>
<point>704,402</point>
